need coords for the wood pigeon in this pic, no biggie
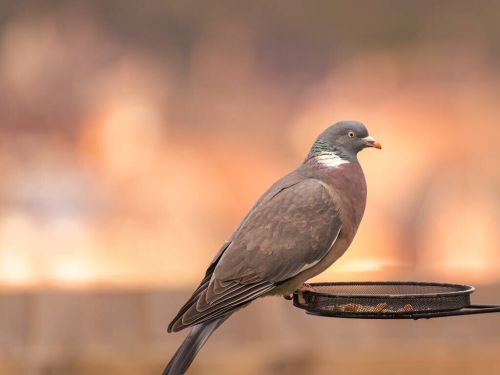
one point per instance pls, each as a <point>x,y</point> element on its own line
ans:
<point>297,229</point>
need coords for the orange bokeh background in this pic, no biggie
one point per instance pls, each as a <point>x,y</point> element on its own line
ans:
<point>123,165</point>
<point>133,138</point>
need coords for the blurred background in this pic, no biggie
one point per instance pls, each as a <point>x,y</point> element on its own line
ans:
<point>134,136</point>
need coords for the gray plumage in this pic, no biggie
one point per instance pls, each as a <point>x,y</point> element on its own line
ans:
<point>296,230</point>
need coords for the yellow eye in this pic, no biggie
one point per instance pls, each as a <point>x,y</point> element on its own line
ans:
<point>350,134</point>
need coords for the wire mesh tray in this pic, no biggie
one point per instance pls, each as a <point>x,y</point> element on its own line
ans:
<point>389,300</point>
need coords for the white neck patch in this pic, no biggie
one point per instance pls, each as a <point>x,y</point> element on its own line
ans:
<point>330,159</point>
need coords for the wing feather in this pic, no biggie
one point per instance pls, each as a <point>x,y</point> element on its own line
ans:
<point>281,236</point>
<point>204,311</point>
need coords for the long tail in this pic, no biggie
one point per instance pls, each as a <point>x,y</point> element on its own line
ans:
<point>192,344</point>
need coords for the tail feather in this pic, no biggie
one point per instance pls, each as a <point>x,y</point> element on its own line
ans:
<point>192,344</point>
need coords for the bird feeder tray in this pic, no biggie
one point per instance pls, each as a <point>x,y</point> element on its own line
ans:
<point>389,300</point>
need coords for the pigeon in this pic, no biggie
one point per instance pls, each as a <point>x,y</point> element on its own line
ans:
<point>297,229</point>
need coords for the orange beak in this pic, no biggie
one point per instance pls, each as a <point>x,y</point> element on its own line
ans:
<point>371,142</point>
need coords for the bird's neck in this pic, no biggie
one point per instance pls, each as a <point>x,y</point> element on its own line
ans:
<point>328,160</point>
<point>324,155</point>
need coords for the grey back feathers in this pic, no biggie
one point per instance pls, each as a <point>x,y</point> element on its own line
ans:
<point>292,229</point>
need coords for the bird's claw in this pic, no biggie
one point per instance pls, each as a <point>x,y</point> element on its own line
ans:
<point>300,292</point>
<point>306,288</point>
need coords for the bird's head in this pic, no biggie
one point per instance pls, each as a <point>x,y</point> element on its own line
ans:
<point>345,139</point>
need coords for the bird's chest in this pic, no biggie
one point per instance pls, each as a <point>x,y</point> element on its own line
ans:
<point>348,189</point>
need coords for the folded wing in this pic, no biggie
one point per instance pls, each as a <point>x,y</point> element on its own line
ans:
<point>281,237</point>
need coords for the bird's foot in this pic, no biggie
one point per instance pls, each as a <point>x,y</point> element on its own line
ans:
<point>306,288</point>
<point>300,292</point>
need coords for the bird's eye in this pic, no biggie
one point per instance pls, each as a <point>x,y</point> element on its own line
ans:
<point>350,134</point>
